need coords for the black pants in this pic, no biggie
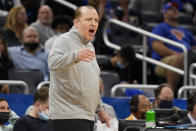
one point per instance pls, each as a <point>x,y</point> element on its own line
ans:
<point>72,125</point>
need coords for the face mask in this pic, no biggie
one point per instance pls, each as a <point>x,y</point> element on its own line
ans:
<point>31,46</point>
<point>4,116</point>
<point>43,115</point>
<point>59,33</point>
<point>165,104</point>
<point>120,65</point>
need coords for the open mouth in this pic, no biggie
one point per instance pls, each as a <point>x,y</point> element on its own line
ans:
<point>91,31</point>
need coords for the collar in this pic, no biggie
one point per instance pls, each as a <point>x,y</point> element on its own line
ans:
<point>77,34</point>
<point>134,118</point>
<point>193,121</point>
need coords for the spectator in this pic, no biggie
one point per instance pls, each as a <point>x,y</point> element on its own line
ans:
<point>16,22</point>
<point>5,65</point>
<point>5,115</point>
<point>60,25</point>
<point>191,107</point>
<point>123,62</point>
<point>165,52</point>
<point>138,106</point>
<point>164,96</point>
<point>30,55</point>
<point>37,119</point>
<point>43,23</point>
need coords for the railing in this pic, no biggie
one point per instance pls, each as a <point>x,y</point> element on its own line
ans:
<point>43,83</point>
<point>191,74</point>
<point>16,83</point>
<point>131,86</point>
<point>145,58</point>
<point>66,3</point>
<point>182,90</point>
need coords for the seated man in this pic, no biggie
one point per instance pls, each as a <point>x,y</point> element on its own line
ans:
<point>5,115</point>
<point>30,55</point>
<point>37,119</point>
<point>168,53</point>
<point>43,24</point>
<point>139,105</point>
<point>164,96</point>
<point>191,107</point>
<point>124,63</point>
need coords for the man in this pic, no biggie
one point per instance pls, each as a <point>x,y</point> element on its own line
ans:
<point>43,24</point>
<point>60,25</point>
<point>30,55</point>
<point>138,106</point>
<point>167,53</point>
<point>5,115</point>
<point>164,96</point>
<point>74,79</point>
<point>37,119</point>
<point>191,107</point>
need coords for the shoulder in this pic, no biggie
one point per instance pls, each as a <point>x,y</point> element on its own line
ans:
<point>22,120</point>
<point>161,26</point>
<point>15,48</point>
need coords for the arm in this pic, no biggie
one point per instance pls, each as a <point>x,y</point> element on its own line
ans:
<point>161,49</point>
<point>61,56</point>
<point>103,115</point>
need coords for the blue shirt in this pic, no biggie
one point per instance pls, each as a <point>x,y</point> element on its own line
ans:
<point>24,60</point>
<point>177,34</point>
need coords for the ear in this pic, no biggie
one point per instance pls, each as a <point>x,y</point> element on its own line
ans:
<point>76,21</point>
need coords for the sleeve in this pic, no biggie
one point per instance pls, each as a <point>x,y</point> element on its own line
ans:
<point>100,106</point>
<point>159,30</point>
<point>61,56</point>
<point>21,125</point>
<point>13,117</point>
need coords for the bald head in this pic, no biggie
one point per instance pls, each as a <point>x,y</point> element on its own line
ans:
<point>79,11</point>
<point>166,94</point>
<point>45,15</point>
<point>86,21</point>
<point>30,35</point>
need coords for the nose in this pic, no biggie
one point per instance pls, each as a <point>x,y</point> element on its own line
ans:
<point>93,22</point>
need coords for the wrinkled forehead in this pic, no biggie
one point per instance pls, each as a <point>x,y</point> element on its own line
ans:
<point>45,9</point>
<point>30,32</point>
<point>88,12</point>
<point>143,100</point>
<point>4,103</point>
<point>166,92</point>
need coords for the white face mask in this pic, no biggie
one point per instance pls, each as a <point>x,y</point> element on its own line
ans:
<point>120,65</point>
<point>43,115</point>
